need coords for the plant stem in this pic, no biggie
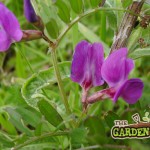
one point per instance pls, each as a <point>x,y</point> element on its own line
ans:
<point>59,80</point>
<point>29,65</point>
<point>105,146</point>
<point>34,139</point>
<point>27,61</point>
<point>77,19</point>
<point>2,57</point>
<point>126,26</point>
<point>103,26</point>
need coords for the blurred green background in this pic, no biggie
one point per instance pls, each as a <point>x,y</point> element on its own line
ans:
<point>20,122</point>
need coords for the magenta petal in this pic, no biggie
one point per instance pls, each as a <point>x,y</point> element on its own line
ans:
<point>130,91</point>
<point>86,64</point>
<point>98,59</point>
<point>29,11</point>
<point>9,28</point>
<point>114,67</point>
<point>129,67</point>
<point>14,31</point>
<point>79,61</point>
<point>5,42</point>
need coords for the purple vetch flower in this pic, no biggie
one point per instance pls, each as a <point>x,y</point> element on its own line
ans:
<point>130,91</point>
<point>86,65</point>
<point>9,28</point>
<point>29,12</point>
<point>115,71</point>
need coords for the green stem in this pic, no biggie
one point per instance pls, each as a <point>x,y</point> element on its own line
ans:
<point>2,57</point>
<point>27,61</point>
<point>29,65</point>
<point>103,26</point>
<point>59,81</point>
<point>77,19</point>
<point>34,139</point>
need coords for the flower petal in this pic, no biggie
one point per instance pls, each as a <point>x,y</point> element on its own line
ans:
<point>5,42</point>
<point>10,24</point>
<point>114,67</point>
<point>130,91</point>
<point>86,64</point>
<point>98,59</point>
<point>29,11</point>
<point>129,67</point>
<point>14,31</point>
<point>79,62</point>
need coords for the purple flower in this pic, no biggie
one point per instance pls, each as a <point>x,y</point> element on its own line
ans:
<point>9,28</point>
<point>115,71</point>
<point>86,65</point>
<point>130,91</point>
<point>29,12</point>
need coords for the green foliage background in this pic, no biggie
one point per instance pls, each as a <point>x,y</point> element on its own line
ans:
<point>25,116</point>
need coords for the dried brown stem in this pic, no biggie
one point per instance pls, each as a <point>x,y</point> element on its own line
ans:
<point>29,35</point>
<point>126,26</point>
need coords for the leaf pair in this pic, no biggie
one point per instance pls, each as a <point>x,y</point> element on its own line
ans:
<point>32,92</point>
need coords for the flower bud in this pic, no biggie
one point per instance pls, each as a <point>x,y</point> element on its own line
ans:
<point>31,15</point>
<point>29,35</point>
<point>30,12</point>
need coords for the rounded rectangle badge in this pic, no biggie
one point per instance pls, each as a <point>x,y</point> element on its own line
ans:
<point>139,130</point>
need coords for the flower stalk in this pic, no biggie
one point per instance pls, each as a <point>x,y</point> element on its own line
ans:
<point>29,35</point>
<point>59,81</point>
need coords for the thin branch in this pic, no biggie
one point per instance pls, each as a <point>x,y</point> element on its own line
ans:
<point>108,146</point>
<point>77,19</point>
<point>34,139</point>
<point>59,80</point>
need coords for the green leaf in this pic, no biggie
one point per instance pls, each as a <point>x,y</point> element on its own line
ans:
<point>95,125</point>
<point>92,37</point>
<point>16,120</point>
<point>50,113</point>
<point>95,3</point>
<point>27,115</point>
<point>96,129</point>
<point>47,11</point>
<point>6,125</point>
<point>63,11</point>
<point>110,117</point>
<point>133,39</point>
<point>38,81</point>
<point>5,141</point>
<point>141,52</point>
<point>52,28</point>
<point>38,130</point>
<point>126,3</point>
<point>77,5</point>
<point>112,19</point>
<point>78,136</point>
